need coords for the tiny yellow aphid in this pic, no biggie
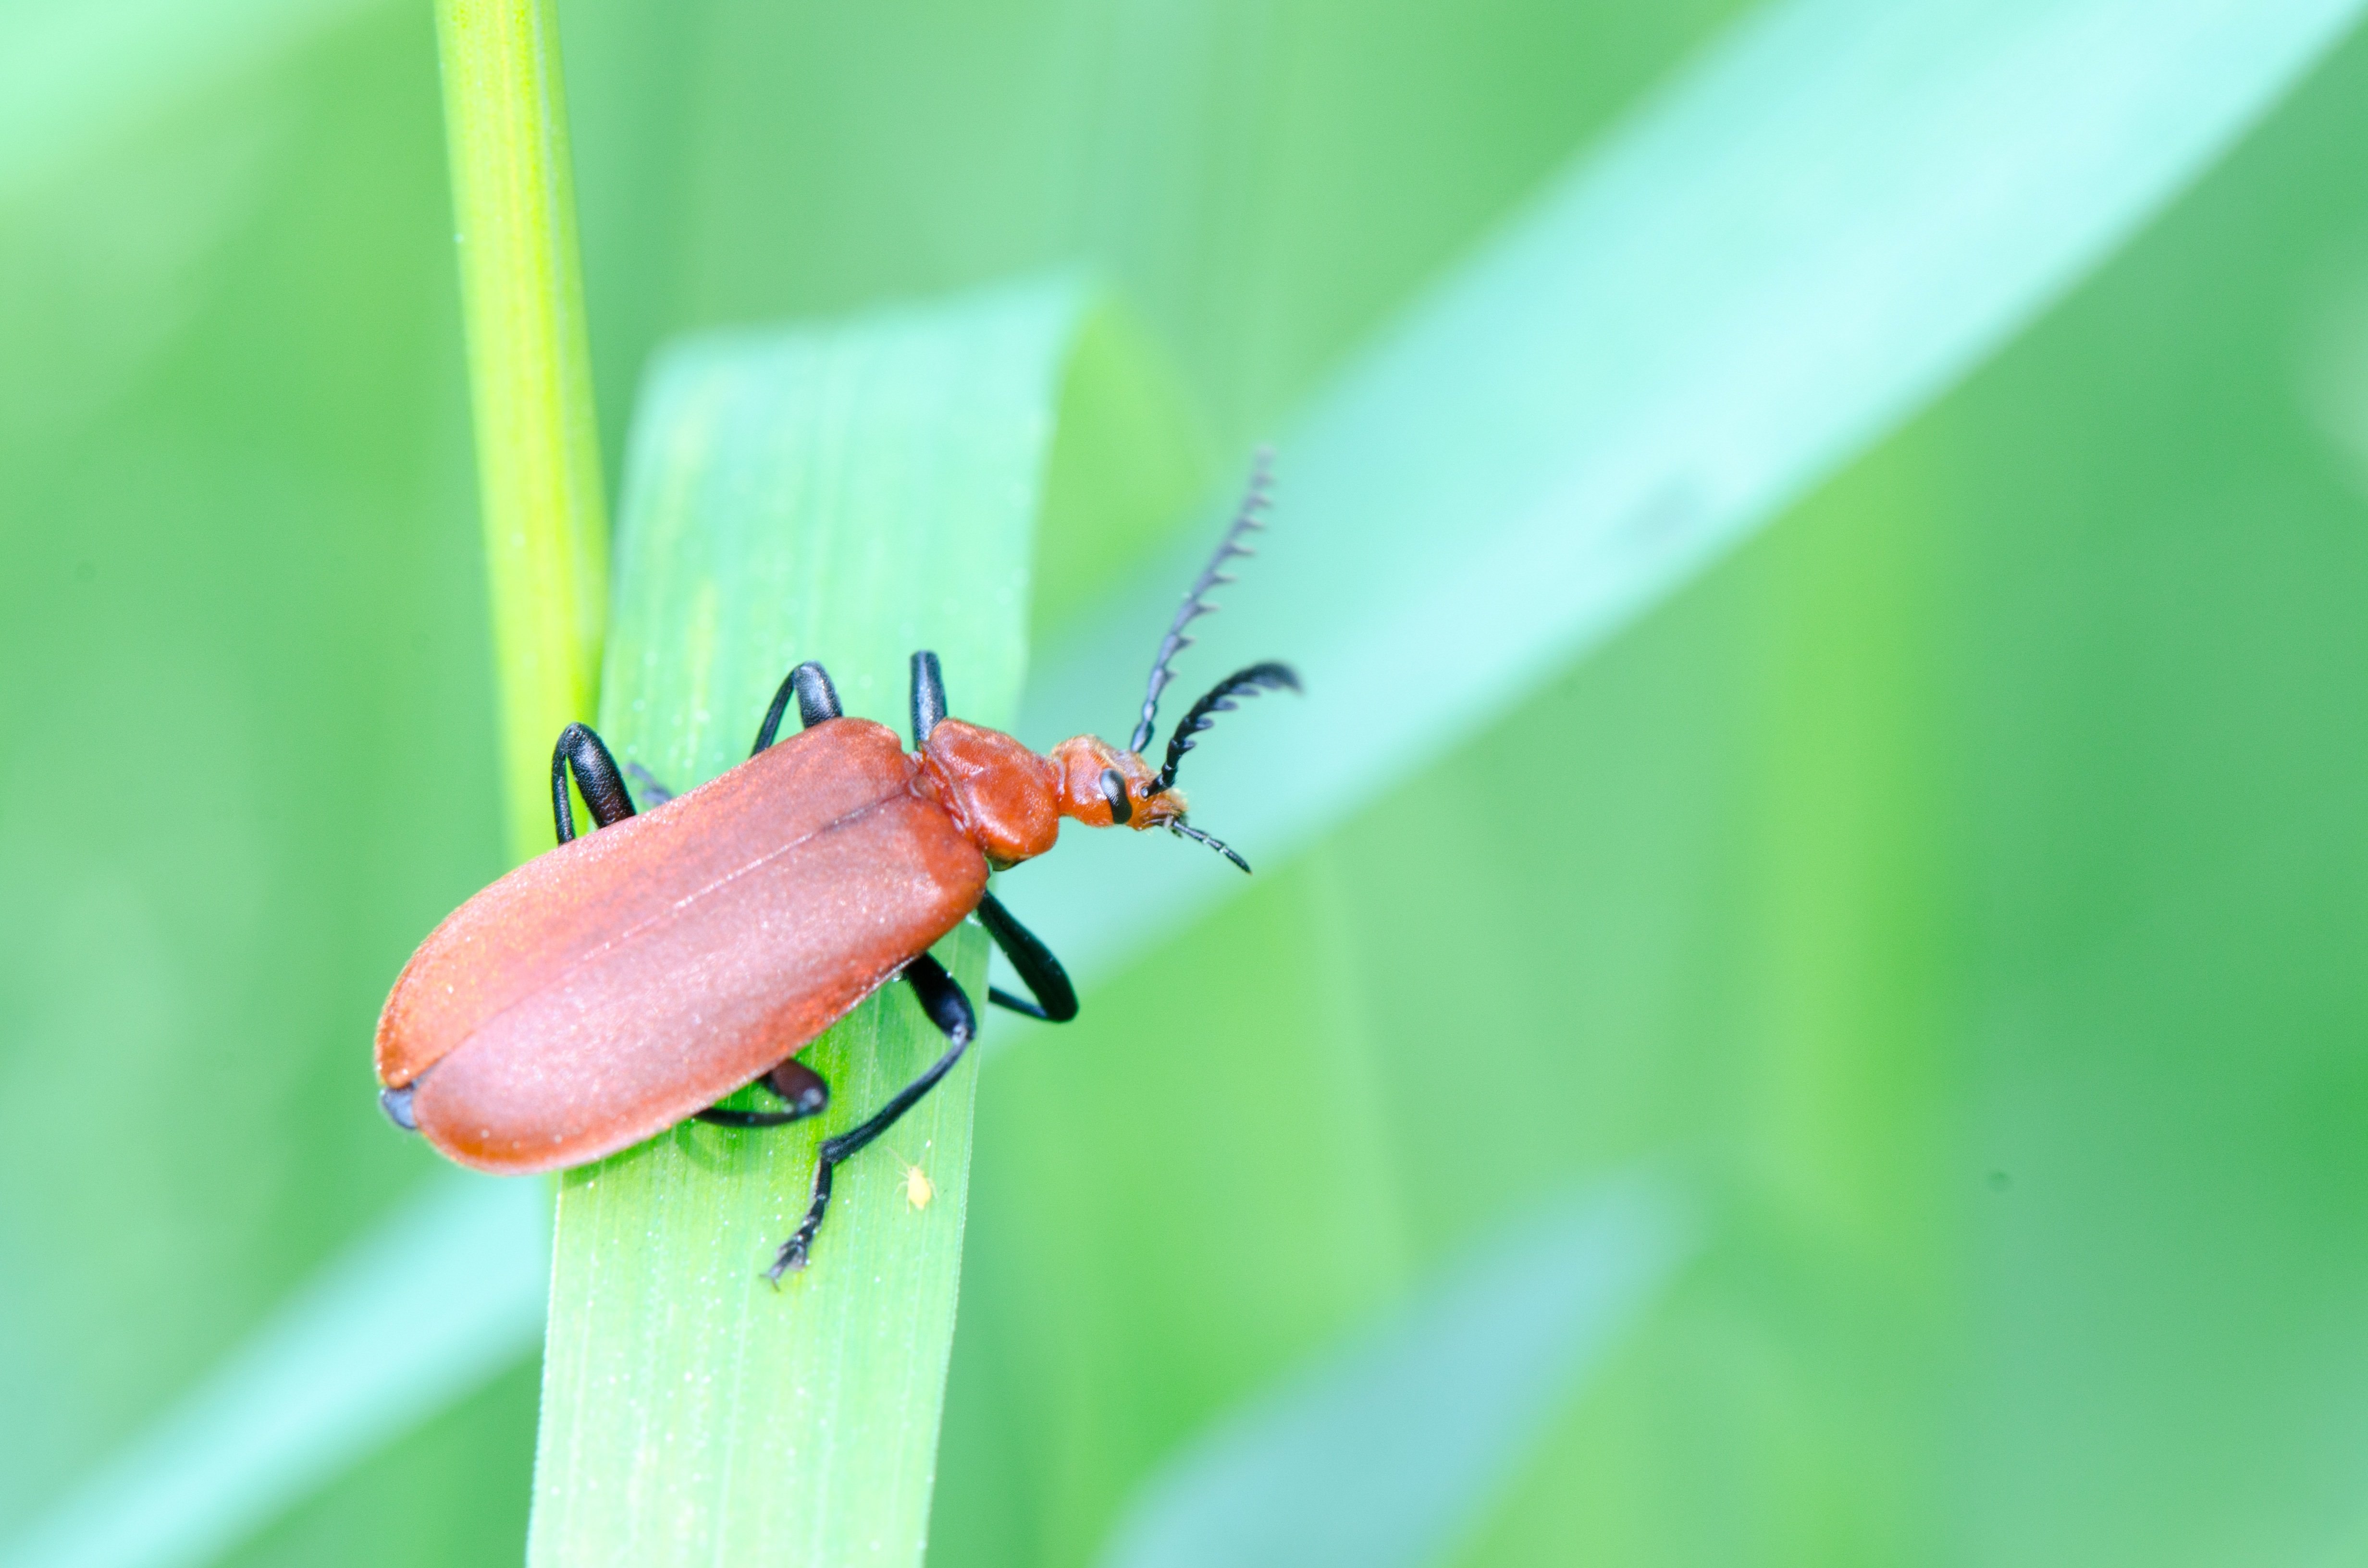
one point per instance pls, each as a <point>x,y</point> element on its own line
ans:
<point>917,1190</point>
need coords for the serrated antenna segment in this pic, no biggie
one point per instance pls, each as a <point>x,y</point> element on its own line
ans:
<point>1247,519</point>
<point>1267,677</point>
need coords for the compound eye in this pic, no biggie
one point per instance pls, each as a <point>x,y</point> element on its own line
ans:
<point>1114,791</point>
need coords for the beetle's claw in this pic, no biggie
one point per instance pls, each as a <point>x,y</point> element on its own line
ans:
<point>792,1260</point>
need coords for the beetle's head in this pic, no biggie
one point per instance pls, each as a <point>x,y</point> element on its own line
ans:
<point>1104,787</point>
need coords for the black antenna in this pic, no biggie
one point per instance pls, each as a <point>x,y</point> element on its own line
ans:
<point>1196,599</point>
<point>1268,677</point>
<point>1183,829</point>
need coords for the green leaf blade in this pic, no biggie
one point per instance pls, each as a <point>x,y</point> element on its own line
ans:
<point>849,492</point>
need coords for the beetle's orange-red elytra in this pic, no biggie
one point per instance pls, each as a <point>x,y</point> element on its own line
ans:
<point>608,989</point>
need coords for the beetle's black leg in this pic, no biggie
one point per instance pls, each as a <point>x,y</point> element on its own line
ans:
<point>1056,999</point>
<point>579,751</point>
<point>929,695</point>
<point>941,997</point>
<point>652,793</point>
<point>817,701</point>
<point>793,1083</point>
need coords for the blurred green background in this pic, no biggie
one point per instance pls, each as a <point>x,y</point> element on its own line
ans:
<point>1962,882</point>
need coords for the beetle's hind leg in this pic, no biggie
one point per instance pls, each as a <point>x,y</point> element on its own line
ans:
<point>1056,999</point>
<point>941,997</point>
<point>794,1084</point>
<point>580,751</point>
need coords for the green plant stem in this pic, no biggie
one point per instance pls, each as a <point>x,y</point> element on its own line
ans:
<point>531,382</point>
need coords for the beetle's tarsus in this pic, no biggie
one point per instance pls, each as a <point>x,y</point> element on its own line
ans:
<point>792,1260</point>
<point>942,999</point>
<point>795,1252</point>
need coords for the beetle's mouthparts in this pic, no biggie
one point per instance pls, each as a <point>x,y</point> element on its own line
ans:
<point>396,1103</point>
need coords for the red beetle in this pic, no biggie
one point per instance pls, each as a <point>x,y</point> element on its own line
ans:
<point>625,981</point>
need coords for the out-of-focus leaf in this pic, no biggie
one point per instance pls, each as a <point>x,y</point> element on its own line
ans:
<point>441,1296</point>
<point>1265,181</point>
<point>1386,1446</point>
<point>247,715</point>
<point>74,77</point>
<point>1839,212</point>
<point>1959,880</point>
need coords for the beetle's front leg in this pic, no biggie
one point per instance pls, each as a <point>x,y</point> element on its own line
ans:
<point>1056,999</point>
<point>941,997</point>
